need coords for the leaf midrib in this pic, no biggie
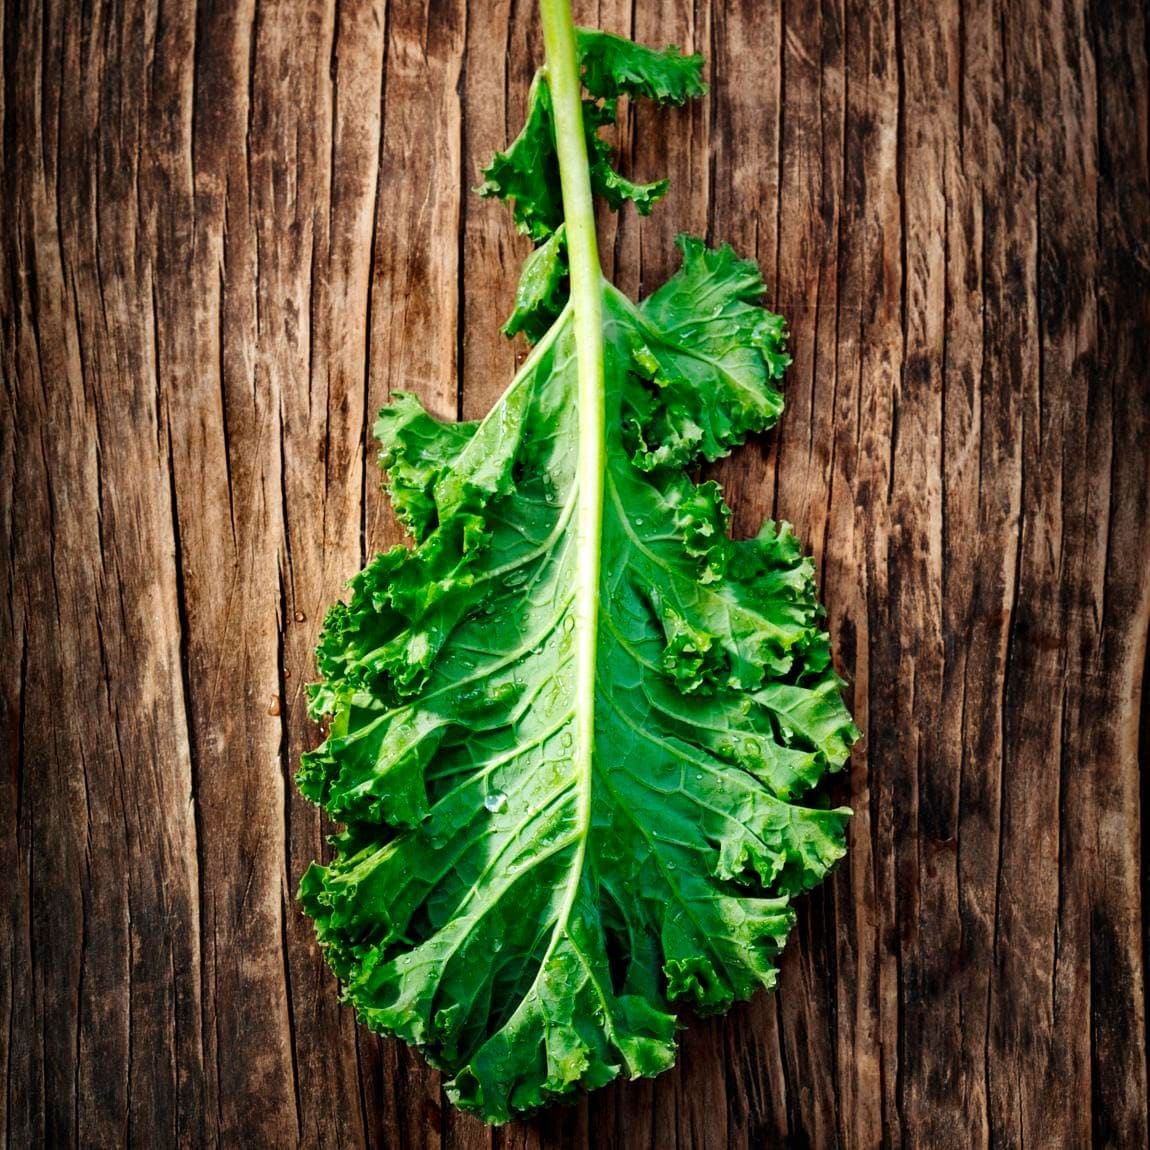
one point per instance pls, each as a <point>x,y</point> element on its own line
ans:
<point>586,279</point>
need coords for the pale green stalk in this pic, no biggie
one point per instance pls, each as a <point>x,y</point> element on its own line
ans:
<point>586,302</point>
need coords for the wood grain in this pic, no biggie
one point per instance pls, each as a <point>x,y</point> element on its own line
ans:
<point>230,229</point>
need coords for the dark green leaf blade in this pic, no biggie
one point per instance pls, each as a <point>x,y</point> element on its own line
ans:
<point>527,174</point>
<point>713,378</point>
<point>530,923</point>
<point>613,66</point>
<point>542,290</point>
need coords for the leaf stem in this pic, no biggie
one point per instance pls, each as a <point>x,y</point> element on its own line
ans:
<point>587,302</point>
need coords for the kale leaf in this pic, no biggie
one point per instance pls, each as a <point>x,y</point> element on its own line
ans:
<point>576,731</point>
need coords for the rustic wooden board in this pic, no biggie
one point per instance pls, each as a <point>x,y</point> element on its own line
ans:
<point>230,228</point>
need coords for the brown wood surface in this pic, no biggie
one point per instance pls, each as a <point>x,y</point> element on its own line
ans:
<point>229,228</point>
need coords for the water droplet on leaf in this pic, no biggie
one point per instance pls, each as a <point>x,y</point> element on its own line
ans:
<point>496,802</point>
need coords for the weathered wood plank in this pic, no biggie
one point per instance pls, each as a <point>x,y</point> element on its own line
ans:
<point>231,230</point>
<point>324,485</point>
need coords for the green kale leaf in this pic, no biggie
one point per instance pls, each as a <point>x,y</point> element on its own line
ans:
<point>576,731</point>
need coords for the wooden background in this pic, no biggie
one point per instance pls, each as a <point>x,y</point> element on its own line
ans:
<point>229,227</point>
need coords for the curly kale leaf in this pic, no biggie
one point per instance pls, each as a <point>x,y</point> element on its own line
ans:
<point>576,733</point>
<point>533,918</point>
